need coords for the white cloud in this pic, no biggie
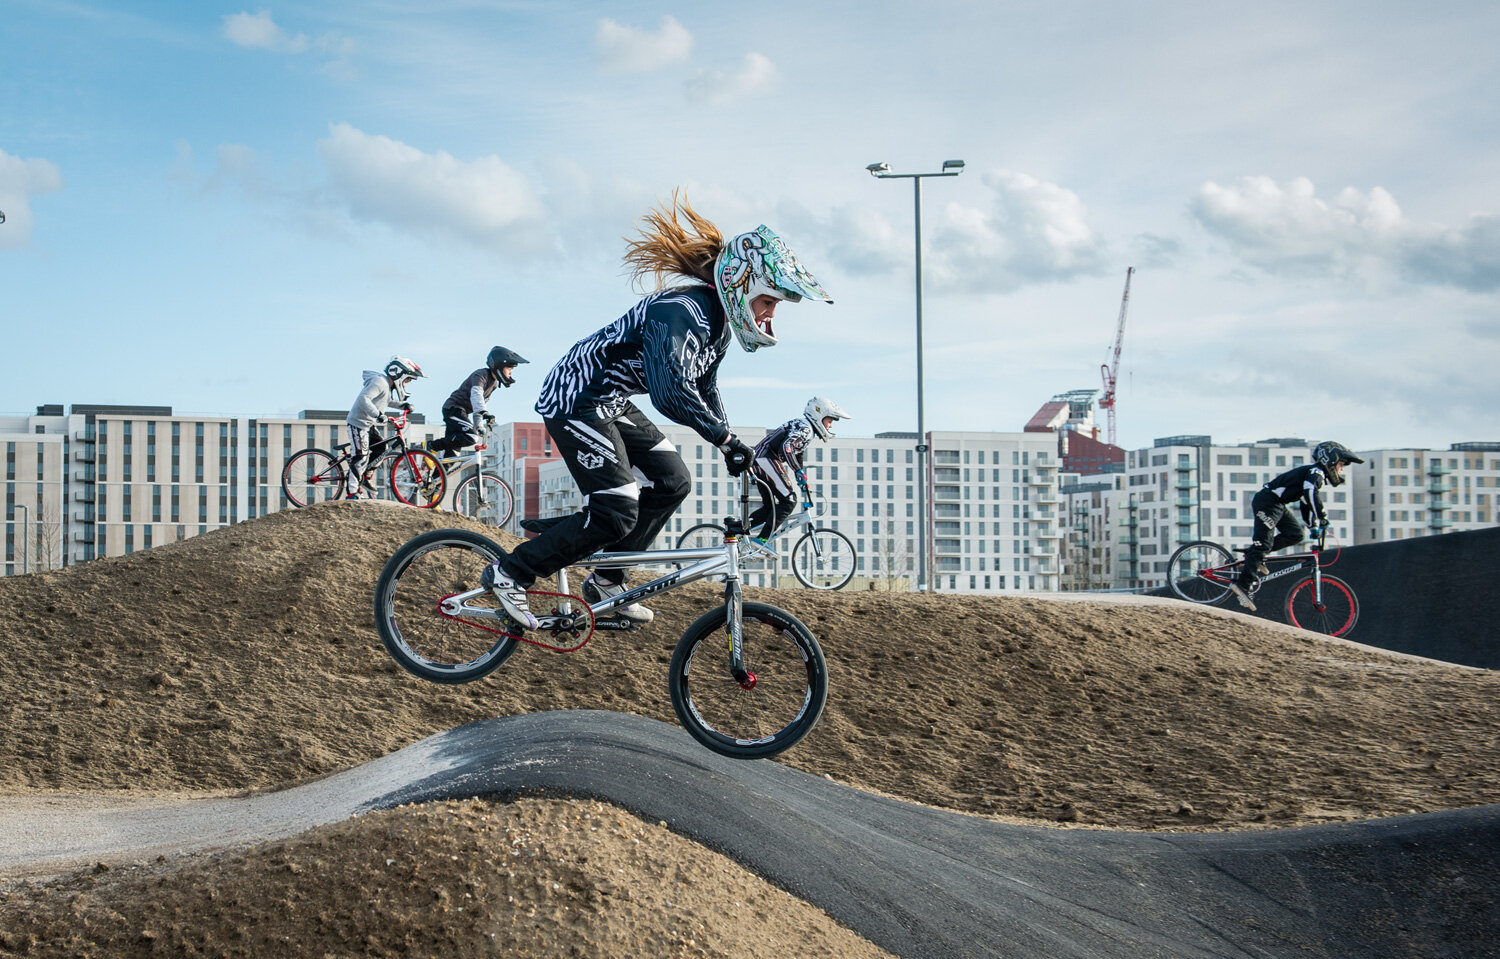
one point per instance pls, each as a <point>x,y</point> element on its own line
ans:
<point>483,202</point>
<point>622,49</point>
<point>20,180</point>
<point>756,75</point>
<point>258,31</point>
<point>1032,232</point>
<point>1291,230</point>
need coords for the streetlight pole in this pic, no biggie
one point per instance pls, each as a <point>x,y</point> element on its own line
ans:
<point>883,171</point>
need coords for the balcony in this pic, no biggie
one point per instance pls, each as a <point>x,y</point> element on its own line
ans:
<point>1439,523</point>
<point>944,475</point>
<point>1047,531</point>
<point>947,546</point>
<point>1186,482</point>
<point>85,535</point>
<point>1437,488</point>
<point>1187,502</point>
<point>84,453</point>
<point>946,510</point>
<point>1436,468</point>
<point>85,495</point>
<point>946,492</point>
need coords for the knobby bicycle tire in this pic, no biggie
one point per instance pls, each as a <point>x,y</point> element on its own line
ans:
<point>485,497</point>
<point>1191,559</point>
<point>785,699</point>
<point>427,643</point>
<point>824,559</point>
<point>1340,607</point>
<point>312,476</point>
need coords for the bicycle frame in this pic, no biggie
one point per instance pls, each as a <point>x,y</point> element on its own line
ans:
<point>1295,562</point>
<point>705,561</point>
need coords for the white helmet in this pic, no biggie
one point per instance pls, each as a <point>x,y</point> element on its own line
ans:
<point>402,371</point>
<point>754,264</point>
<point>819,407</point>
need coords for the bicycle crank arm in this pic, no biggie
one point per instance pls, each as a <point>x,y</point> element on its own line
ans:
<point>458,605</point>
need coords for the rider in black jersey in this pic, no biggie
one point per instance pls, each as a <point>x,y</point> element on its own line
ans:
<point>778,462</point>
<point>1275,525</point>
<point>668,346</point>
<point>469,403</point>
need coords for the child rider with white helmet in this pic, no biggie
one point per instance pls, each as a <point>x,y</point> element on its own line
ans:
<point>778,462</point>
<point>381,391</point>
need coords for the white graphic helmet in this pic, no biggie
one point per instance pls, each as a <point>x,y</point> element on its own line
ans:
<point>402,371</point>
<point>819,407</point>
<point>754,264</point>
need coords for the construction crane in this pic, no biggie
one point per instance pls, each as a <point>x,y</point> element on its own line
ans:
<point>1112,369</point>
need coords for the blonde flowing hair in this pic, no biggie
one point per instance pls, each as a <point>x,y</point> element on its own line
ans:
<point>667,247</point>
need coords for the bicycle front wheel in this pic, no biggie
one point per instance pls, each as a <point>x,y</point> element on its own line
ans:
<point>823,559</point>
<point>312,476</point>
<point>417,479</point>
<point>704,534</point>
<point>485,497</point>
<point>1186,568</point>
<point>779,702</point>
<point>1334,616</point>
<point>416,632</point>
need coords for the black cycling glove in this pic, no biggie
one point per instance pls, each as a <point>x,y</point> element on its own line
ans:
<point>737,456</point>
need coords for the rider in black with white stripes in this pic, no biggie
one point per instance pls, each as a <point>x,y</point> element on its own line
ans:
<point>669,346</point>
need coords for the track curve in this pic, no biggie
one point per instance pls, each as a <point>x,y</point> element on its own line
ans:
<point>924,882</point>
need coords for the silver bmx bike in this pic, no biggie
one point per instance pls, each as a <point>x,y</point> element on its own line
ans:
<point>747,679</point>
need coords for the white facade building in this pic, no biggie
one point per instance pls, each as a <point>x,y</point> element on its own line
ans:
<point>109,480</point>
<point>1403,493</point>
<point>997,522</point>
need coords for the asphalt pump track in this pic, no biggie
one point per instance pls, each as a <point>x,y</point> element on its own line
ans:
<point>918,881</point>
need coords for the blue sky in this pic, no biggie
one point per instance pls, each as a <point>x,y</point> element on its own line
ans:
<point>234,210</point>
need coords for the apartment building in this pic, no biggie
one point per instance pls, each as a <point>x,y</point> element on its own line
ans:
<point>997,521</point>
<point>102,480</point>
<point>1404,493</point>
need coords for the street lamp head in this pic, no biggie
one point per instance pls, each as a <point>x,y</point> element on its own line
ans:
<point>956,166</point>
<point>876,169</point>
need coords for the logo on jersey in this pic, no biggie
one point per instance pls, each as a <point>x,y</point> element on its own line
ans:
<point>590,461</point>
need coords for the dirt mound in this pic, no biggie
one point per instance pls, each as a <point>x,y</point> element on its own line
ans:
<point>247,658</point>
<point>450,879</point>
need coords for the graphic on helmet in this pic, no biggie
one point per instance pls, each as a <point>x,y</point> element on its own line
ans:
<point>756,264</point>
<point>500,358</point>
<point>817,409</point>
<point>1329,454</point>
<point>402,371</point>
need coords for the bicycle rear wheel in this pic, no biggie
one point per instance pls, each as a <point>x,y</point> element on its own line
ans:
<point>1189,562</point>
<point>417,479</point>
<point>823,559</point>
<point>704,534</point>
<point>417,634</point>
<point>312,476</point>
<point>778,704</point>
<point>485,497</point>
<point>1334,616</point>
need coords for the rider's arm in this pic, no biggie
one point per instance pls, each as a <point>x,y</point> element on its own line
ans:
<point>680,364</point>
<point>1313,511</point>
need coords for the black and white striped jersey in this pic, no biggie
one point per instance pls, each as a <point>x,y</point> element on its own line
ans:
<point>786,442</point>
<point>669,346</point>
<point>1302,485</point>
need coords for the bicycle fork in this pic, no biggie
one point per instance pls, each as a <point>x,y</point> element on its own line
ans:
<point>735,622</point>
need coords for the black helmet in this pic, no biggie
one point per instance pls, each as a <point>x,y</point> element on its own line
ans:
<point>499,358</point>
<point>1328,454</point>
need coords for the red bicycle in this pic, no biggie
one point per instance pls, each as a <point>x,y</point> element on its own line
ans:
<point>1200,572</point>
<point>415,476</point>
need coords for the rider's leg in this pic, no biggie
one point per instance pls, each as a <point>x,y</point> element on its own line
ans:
<point>359,455</point>
<point>667,480</point>
<point>1268,515</point>
<point>595,456</point>
<point>1289,532</point>
<point>459,435</point>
